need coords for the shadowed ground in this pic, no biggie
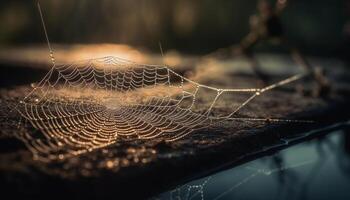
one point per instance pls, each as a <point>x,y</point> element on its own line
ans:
<point>139,169</point>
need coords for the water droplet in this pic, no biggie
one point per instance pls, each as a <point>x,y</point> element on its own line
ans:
<point>153,151</point>
<point>136,160</point>
<point>33,85</point>
<point>109,164</point>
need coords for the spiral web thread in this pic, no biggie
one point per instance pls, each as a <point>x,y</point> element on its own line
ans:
<point>90,104</point>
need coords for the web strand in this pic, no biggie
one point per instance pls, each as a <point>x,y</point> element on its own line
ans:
<point>46,35</point>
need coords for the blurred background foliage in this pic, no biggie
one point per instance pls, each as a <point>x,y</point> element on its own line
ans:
<point>190,26</point>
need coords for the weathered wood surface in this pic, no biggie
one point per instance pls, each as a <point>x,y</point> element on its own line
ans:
<point>140,169</point>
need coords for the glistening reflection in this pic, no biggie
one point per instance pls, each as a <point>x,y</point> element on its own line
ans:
<point>316,169</point>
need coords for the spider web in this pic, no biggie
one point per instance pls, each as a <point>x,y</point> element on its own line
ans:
<point>90,104</point>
